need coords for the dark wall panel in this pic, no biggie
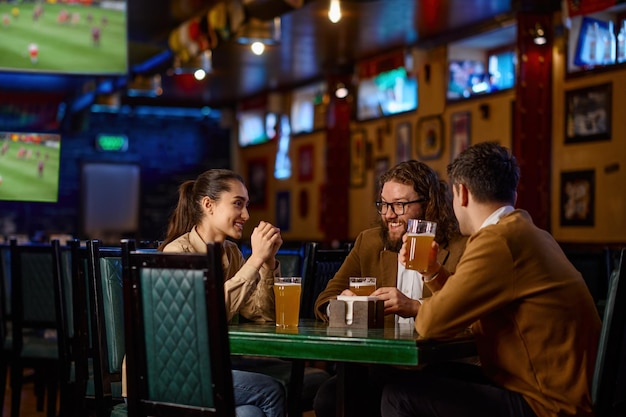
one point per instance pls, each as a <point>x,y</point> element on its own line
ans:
<point>168,149</point>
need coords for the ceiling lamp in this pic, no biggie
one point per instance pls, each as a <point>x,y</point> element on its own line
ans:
<point>341,91</point>
<point>334,11</point>
<point>539,34</point>
<point>259,34</point>
<point>199,66</point>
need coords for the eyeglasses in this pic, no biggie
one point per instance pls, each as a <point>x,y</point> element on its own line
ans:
<point>397,207</point>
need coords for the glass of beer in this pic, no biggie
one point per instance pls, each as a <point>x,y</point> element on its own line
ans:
<point>362,285</point>
<point>420,235</point>
<point>287,299</point>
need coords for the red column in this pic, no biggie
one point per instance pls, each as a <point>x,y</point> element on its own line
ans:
<point>334,196</point>
<point>532,141</point>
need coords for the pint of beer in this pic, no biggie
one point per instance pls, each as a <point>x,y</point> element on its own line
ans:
<point>362,285</point>
<point>420,235</point>
<point>287,299</point>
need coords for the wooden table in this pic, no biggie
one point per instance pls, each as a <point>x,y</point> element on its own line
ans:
<point>350,348</point>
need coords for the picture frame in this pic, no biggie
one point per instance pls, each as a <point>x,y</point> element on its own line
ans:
<point>283,210</point>
<point>257,182</point>
<point>588,114</point>
<point>460,127</point>
<point>429,137</point>
<point>403,142</point>
<point>577,205</point>
<point>358,155</point>
<point>305,163</point>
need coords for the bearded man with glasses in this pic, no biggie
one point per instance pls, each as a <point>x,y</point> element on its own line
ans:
<point>409,190</point>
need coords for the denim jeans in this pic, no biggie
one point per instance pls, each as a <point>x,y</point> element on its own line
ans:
<point>258,395</point>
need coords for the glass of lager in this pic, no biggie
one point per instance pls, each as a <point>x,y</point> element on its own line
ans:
<point>287,299</point>
<point>362,285</point>
<point>420,235</point>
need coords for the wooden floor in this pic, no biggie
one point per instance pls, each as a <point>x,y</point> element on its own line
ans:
<point>28,406</point>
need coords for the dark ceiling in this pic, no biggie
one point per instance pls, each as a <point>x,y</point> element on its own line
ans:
<point>311,47</point>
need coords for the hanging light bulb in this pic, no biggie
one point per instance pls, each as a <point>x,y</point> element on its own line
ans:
<point>334,11</point>
<point>257,48</point>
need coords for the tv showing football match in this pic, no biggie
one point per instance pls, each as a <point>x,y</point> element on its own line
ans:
<point>64,36</point>
<point>29,166</point>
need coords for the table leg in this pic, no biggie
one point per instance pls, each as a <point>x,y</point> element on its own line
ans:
<point>352,381</point>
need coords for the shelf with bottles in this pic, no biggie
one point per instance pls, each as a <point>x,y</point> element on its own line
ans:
<point>597,40</point>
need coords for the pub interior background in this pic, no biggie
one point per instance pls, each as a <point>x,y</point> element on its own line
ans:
<point>570,153</point>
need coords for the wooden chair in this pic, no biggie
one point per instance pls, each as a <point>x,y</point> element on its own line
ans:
<point>177,346</point>
<point>34,318</point>
<point>607,397</point>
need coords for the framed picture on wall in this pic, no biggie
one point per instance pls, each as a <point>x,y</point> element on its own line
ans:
<point>403,142</point>
<point>357,158</point>
<point>588,114</point>
<point>283,210</point>
<point>459,133</point>
<point>305,163</point>
<point>429,137</point>
<point>577,198</point>
<point>257,182</point>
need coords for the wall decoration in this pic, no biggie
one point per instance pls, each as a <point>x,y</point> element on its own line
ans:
<point>305,163</point>
<point>381,165</point>
<point>403,142</point>
<point>357,158</point>
<point>460,124</point>
<point>588,114</point>
<point>283,210</point>
<point>257,182</point>
<point>429,137</point>
<point>577,198</point>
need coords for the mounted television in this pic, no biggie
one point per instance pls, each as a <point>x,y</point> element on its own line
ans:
<point>29,166</point>
<point>70,37</point>
<point>252,127</point>
<point>386,93</point>
<point>595,44</point>
<point>307,108</point>
<point>469,77</point>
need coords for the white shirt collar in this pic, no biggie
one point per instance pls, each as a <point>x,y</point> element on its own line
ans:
<point>495,217</point>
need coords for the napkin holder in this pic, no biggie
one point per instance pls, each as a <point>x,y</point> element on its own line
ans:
<point>356,312</point>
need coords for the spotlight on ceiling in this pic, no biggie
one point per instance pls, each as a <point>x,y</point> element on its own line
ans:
<point>341,91</point>
<point>259,34</point>
<point>539,34</point>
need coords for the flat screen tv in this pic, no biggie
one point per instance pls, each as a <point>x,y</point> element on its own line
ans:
<point>65,37</point>
<point>385,94</point>
<point>469,78</point>
<point>29,166</point>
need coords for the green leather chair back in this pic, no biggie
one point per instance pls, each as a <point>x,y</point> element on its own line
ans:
<point>175,323</point>
<point>177,347</point>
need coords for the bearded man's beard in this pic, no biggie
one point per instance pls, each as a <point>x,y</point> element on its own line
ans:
<point>390,244</point>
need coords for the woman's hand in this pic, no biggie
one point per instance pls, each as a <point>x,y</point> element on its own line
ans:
<point>265,242</point>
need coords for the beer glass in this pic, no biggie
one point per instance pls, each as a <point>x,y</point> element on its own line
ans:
<point>420,235</point>
<point>362,285</point>
<point>287,300</point>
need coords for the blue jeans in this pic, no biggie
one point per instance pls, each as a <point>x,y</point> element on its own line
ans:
<point>258,395</point>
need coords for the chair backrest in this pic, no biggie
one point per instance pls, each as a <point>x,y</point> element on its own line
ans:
<point>106,317</point>
<point>32,289</point>
<point>611,349</point>
<point>320,265</point>
<point>177,346</point>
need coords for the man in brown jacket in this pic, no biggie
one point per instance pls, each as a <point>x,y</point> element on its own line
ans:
<point>409,190</point>
<point>535,322</point>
